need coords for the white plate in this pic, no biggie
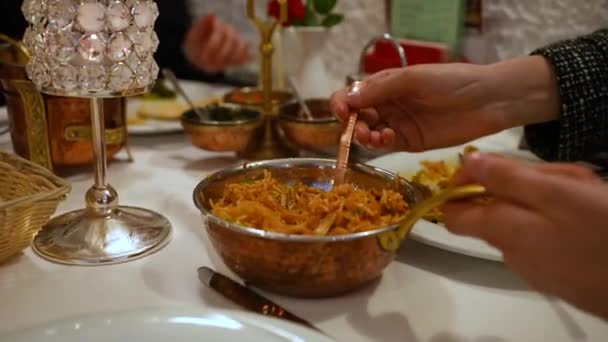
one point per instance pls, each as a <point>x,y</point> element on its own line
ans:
<point>195,90</point>
<point>161,325</point>
<point>431,233</point>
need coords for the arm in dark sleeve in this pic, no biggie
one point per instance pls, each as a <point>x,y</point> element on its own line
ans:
<point>581,69</point>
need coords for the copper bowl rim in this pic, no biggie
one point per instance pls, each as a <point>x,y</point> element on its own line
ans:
<point>279,97</point>
<point>258,117</point>
<point>200,128</point>
<point>329,120</point>
<point>286,163</point>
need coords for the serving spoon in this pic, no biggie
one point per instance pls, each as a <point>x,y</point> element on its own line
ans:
<point>344,151</point>
<point>391,240</point>
<point>300,99</point>
<point>345,142</point>
<point>170,76</point>
<point>340,171</point>
<point>341,166</point>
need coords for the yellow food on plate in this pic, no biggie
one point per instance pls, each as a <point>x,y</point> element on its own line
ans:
<point>305,210</point>
<point>434,176</point>
<point>134,120</point>
<point>169,109</point>
<point>161,109</point>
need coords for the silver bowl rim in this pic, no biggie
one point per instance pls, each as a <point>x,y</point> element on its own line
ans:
<point>285,163</point>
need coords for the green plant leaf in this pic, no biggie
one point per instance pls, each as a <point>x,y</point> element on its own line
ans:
<point>324,6</point>
<point>332,20</point>
<point>311,18</point>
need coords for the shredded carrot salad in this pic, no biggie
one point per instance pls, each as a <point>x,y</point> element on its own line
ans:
<point>301,209</point>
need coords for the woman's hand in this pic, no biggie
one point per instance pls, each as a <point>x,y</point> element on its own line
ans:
<point>213,46</point>
<point>549,220</point>
<point>436,105</point>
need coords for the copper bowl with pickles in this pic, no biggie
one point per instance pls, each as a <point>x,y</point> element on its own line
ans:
<point>223,127</point>
<point>317,134</point>
<point>299,264</point>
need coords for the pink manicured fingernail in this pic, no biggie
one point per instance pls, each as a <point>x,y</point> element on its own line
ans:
<point>359,130</point>
<point>342,108</point>
<point>355,89</point>
<point>478,164</point>
<point>474,156</point>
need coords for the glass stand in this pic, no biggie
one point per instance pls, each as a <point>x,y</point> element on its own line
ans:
<point>104,232</point>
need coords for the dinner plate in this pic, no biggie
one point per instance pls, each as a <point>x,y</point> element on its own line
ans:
<point>435,234</point>
<point>3,116</point>
<point>3,121</point>
<point>161,325</point>
<point>196,91</point>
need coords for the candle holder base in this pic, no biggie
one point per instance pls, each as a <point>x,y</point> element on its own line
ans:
<point>83,237</point>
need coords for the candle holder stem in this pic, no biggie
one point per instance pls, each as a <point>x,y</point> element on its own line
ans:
<point>101,198</point>
<point>104,232</point>
<point>97,126</point>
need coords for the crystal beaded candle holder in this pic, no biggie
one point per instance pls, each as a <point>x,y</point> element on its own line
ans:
<point>95,49</point>
<point>88,48</point>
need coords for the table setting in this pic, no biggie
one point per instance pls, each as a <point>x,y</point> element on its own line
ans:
<point>130,206</point>
<point>426,294</point>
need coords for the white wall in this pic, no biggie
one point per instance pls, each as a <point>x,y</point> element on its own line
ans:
<point>512,27</point>
<point>517,27</point>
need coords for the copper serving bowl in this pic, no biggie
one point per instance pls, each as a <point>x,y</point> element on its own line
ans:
<point>317,134</point>
<point>254,98</point>
<point>223,128</point>
<point>299,265</point>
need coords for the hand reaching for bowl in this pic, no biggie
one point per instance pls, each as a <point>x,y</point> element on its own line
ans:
<point>430,106</point>
<point>213,46</point>
<point>549,220</point>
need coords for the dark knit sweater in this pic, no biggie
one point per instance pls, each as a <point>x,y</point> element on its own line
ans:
<point>581,68</point>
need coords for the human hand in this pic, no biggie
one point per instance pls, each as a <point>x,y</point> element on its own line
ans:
<point>213,46</point>
<point>549,220</point>
<point>437,105</point>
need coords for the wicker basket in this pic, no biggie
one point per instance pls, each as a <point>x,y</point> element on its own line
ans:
<point>29,195</point>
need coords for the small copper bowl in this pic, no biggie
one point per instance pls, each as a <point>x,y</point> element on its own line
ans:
<point>223,128</point>
<point>316,134</point>
<point>254,98</point>
<point>299,265</point>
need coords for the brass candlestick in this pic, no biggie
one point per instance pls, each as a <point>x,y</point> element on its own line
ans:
<point>270,147</point>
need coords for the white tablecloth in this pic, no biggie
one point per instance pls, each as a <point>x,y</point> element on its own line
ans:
<point>426,294</point>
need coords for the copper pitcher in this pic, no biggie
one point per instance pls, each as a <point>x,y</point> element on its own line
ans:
<point>53,131</point>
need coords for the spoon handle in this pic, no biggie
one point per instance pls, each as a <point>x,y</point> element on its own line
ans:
<point>343,153</point>
<point>169,75</point>
<point>392,240</point>
<point>299,98</point>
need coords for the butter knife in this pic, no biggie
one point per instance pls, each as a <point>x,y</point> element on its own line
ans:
<point>247,298</point>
